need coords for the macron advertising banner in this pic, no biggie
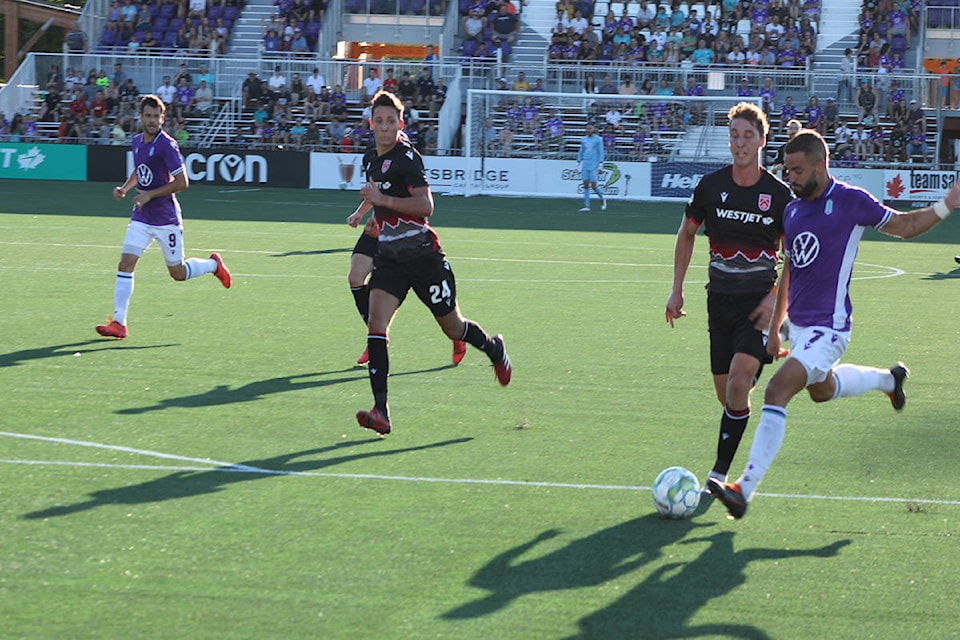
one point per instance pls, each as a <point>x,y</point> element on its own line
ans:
<point>241,167</point>
<point>30,161</point>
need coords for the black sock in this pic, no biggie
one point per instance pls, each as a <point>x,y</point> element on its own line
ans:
<point>732,425</point>
<point>361,298</point>
<point>476,336</point>
<point>378,368</point>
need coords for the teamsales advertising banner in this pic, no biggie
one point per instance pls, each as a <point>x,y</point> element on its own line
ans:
<point>905,189</point>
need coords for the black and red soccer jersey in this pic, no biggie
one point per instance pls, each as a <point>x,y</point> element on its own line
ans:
<point>745,228</point>
<point>397,173</point>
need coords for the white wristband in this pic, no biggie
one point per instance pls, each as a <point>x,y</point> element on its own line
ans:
<point>941,208</point>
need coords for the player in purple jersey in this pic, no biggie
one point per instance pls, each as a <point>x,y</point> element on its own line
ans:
<point>408,255</point>
<point>740,207</point>
<point>158,174</point>
<point>822,232</point>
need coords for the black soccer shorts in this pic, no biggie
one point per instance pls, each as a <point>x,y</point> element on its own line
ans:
<point>732,331</point>
<point>430,277</point>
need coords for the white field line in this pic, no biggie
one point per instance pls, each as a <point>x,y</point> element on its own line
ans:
<point>210,465</point>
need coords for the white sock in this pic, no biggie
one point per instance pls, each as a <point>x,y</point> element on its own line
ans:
<point>200,266</point>
<point>854,380</point>
<point>766,444</point>
<point>122,290</point>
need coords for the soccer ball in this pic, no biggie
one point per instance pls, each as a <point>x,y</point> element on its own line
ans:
<point>676,493</point>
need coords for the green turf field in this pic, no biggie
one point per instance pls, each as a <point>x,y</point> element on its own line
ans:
<point>205,477</point>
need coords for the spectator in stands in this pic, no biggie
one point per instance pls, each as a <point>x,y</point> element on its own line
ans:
<point>251,90</point>
<point>76,39</point>
<point>861,142</point>
<point>768,95</point>
<point>521,84</point>
<point>703,55</point>
<point>277,84</point>
<point>166,92</point>
<point>424,89</point>
<point>203,100</point>
<point>896,149</point>
<point>848,69</point>
<point>831,116</point>
<point>917,143</point>
<point>439,97</point>
<point>866,101</point>
<point>315,81</point>
<point>915,114</point>
<point>878,142</point>
<point>336,132</point>
<point>530,115</point>
<point>473,24</point>
<point>299,46</point>
<point>296,89</point>
<point>371,85</point>
<point>261,114</point>
<point>606,86</point>
<point>182,74</point>
<point>609,138</point>
<point>311,139</point>
<point>745,90</point>
<point>281,131</point>
<point>507,25</point>
<point>271,41</point>
<point>505,139</point>
<point>118,137</point>
<point>814,113</point>
<point>843,137</point>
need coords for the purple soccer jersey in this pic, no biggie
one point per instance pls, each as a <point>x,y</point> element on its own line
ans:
<point>821,239</point>
<point>156,164</point>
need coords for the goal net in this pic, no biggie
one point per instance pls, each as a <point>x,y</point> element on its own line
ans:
<point>525,143</point>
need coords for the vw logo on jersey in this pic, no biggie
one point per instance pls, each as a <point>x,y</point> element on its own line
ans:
<point>765,201</point>
<point>827,210</point>
<point>144,175</point>
<point>804,250</point>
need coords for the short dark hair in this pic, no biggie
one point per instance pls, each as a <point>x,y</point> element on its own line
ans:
<point>384,98</point>
<point>151,100</point>
<point>752,114</point>
<point>808,142</point>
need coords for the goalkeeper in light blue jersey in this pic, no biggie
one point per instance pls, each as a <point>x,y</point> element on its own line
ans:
<point>589,159</point>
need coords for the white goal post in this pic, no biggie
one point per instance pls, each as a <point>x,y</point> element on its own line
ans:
<point>652,133</point>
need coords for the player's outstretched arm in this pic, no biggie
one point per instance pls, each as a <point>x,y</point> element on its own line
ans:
<point>918,221</point>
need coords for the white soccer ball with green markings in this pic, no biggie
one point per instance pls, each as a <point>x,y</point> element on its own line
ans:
<point>676,493</point>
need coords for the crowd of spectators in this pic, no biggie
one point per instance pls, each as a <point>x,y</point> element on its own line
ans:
<point>294,29</point>
<point>781,33</point>
<point>102,107</point>
<point>307,113</point>
<point>488,27</point>
<point>187,27</point>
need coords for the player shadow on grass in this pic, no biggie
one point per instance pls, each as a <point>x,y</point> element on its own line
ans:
<point>250,392</point>
<point>587,562</point>
<point>663,605</point>
<point>317,252</point>
<point>188,484</point>
<point>69,349</point>
<point>944,275</point>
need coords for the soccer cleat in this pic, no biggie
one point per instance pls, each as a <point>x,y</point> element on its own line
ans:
<point>897,397</point>
<point>374,421</point>
<point>584,209</point>
<point>459,351</point>
<point>364,357</point>
<point>112,329</point>
<point>222,273</point>
<point>502,368</point>
<point>603,205</point>
<point>731,497</point>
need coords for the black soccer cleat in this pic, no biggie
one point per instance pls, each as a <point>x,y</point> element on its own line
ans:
<point>731,497</point>
<point>897,397</point>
